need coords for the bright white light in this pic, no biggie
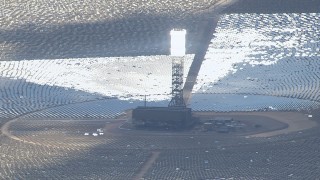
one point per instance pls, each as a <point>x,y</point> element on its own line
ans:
<point>245,44</point>
<point>122,77</point>
<point>178,42</point>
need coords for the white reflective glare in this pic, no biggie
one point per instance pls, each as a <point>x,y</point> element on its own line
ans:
<point>178,41</point>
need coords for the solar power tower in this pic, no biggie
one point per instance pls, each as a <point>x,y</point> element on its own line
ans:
<point>178,38</point>
<point>176,115</point>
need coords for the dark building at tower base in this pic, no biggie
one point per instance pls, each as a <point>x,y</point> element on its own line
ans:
<point>163,117</point>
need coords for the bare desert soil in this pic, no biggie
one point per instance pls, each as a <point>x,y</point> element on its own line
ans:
<point>275,122</point>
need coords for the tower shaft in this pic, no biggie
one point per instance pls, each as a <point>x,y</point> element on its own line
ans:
<point>177,83</point>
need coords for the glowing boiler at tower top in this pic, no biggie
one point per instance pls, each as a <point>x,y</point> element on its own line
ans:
<point>178,42</point>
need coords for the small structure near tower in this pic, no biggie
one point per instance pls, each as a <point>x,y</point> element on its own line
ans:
<point>176,115</point>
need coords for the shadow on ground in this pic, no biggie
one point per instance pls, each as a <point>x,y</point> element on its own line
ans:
<point>275,6</point>
<point>134,36</point>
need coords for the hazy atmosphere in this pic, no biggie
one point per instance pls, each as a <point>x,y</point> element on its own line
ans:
<point>92,90</point>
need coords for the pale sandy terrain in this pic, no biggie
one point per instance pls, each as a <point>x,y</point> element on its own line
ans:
<point>296,121</point>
